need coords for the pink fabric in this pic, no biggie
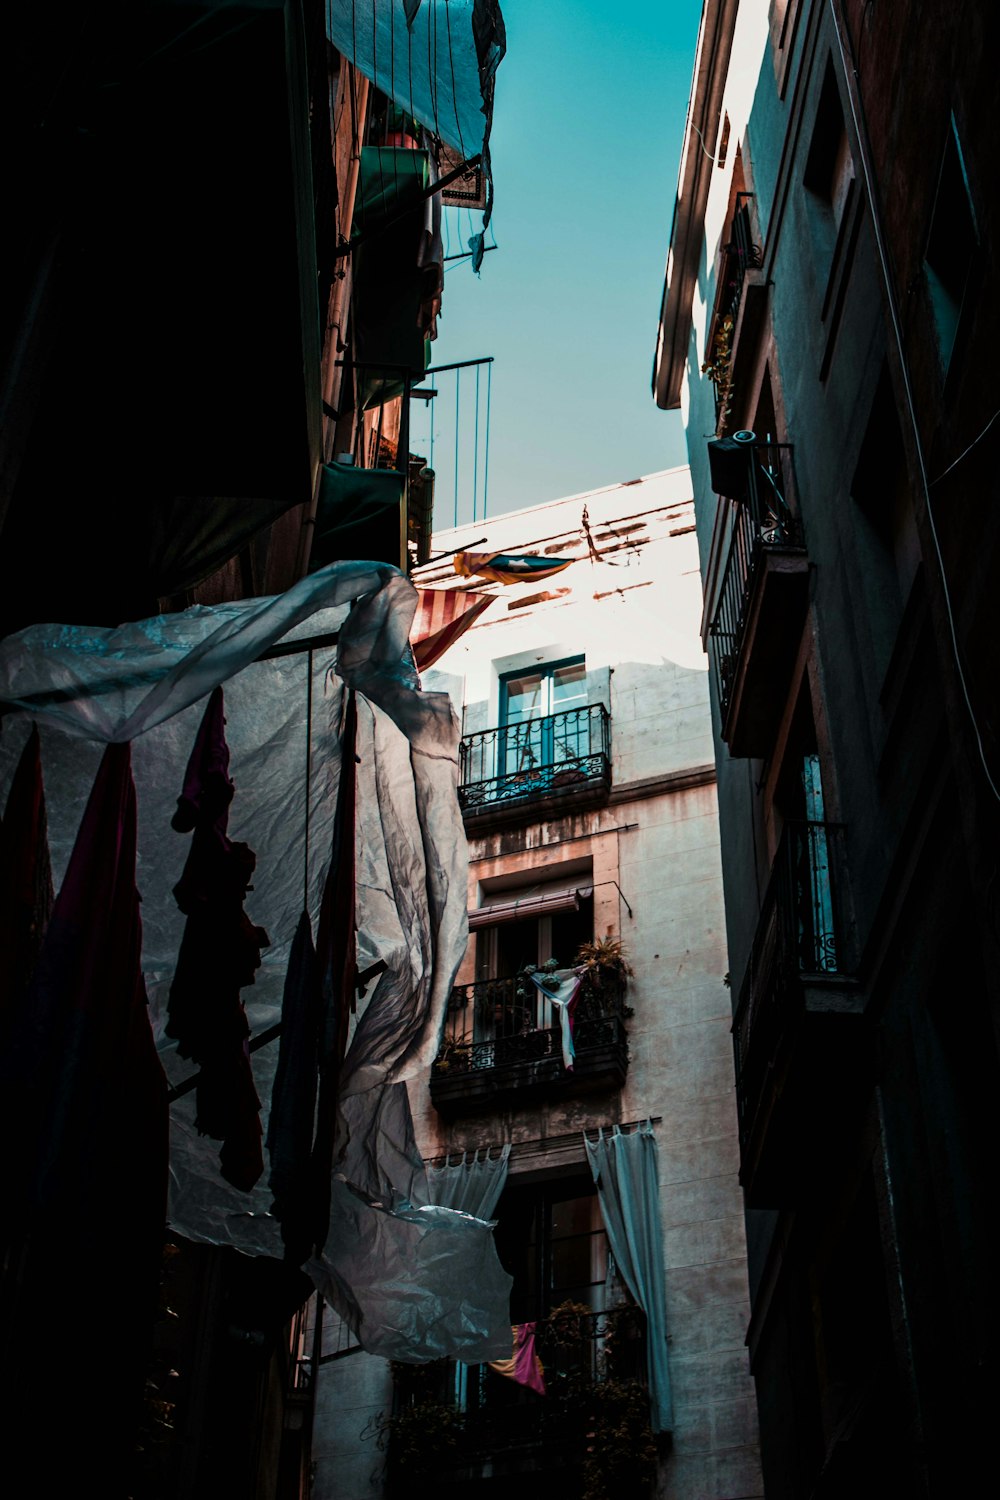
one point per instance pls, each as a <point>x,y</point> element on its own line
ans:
<point>524,1366</point>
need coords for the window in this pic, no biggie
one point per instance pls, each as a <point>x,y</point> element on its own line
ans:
<point>829,173</point>
<point>723,143</point>
<point>783,19</point>
<point>551,1239</point>
<point>951,247</point>
<point>888,546</point>
<point>536,714</point>
<point>502,951</point>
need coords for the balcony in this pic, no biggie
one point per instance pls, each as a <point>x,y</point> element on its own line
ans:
<point>463,1426</point>
<point>502,1045</point>
<point>536,767</point>
<point>763,599</point>
<point>738,319</point>
<point>798,1034</point>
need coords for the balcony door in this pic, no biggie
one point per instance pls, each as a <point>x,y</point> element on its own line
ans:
<point>504,950</point>
<point>551,1239</point>
<point>531,736</point>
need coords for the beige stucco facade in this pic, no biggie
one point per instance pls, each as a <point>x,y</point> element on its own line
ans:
<point>651,855</point>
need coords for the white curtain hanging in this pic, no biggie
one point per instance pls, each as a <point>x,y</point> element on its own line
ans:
<point>472,1185</point>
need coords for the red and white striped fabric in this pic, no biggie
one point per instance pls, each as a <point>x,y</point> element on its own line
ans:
<point>442,616</point>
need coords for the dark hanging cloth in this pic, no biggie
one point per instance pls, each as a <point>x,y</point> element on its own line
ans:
<point>25,880</point>
<point>85,1118</point>
<point>336,952</point>
<point>293,1096</point>
<point>219,954</point>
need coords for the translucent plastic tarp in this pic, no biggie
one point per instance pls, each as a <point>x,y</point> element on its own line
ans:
<point>87,686</point>
<point>423,54</point>
<point>389,1243</point>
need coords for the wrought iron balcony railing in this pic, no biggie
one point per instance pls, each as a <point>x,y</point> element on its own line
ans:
<point>740,255</point>
<point>494,1416</point>
<point>800,938</point>
<point>499,1023</point>
<point>763,523</point>
<point>556,756</point>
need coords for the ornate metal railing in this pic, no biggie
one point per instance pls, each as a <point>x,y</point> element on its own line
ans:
<point>762,521</point>
<point>551,756</point>
<point>801,934</point>
<point>497,1023</point>
<point>495,1414</point>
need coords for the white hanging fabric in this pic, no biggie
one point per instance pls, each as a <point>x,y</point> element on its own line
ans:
<point>85,687</point>
<point>472,1185</point>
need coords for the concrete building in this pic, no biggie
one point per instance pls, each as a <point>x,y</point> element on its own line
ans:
<point>828,314</point>
<point>589,802</point>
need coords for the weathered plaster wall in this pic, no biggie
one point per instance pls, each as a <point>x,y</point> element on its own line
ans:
<point>637,623</point>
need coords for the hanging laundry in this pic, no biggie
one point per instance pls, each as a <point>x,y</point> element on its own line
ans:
<point>336,960</point>
<point>219,954</point>
<point>84,1113</point>
<point>507,567</point>
<point>442,617</point>
<point>25,879</point>
<point>293,1097</point>
<point>524,1366</point>
<point>562,987</point>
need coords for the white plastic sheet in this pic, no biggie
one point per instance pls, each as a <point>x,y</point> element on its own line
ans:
<point>148,680</point>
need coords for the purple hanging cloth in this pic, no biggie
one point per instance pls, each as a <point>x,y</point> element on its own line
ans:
<point>293,1096</point>
<point>85,1116</point>
<point>25,880</point>
<point>219,954</point>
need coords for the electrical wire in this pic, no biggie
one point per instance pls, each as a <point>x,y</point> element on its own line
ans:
<point>861,130</point>
<point>965,451</point>
<point>475,450</point>
<point>486,463</point>
<point>458,394</point>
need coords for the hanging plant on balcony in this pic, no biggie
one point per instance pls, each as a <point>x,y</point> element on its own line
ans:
<point>718,368</point>
<point>524,989</point>
<point>604,958</point>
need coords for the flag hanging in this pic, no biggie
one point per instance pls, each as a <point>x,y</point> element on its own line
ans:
<point>562,987</point>
<point>508,567</point>
<point>524,1366</point>
<point>442,616</point>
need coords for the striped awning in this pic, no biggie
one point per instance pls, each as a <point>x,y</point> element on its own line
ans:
<point>545,904</point>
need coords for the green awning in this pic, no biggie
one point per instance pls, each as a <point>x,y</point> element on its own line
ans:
<point>389,219</point>
<point>359,516</point>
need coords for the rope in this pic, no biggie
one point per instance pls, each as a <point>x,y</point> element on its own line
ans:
<point>309,707</point>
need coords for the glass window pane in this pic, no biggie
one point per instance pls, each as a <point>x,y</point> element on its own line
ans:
<point>575,1216</point>
<point>525,697</point>
<point>579,1261</point>
<point>569,686</point>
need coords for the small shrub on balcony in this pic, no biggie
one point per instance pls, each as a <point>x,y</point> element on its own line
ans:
<point>604,957</point>
<point>718,367</point>
<point>621,1448</point>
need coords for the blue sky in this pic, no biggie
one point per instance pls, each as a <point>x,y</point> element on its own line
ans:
<point>590,108</point>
